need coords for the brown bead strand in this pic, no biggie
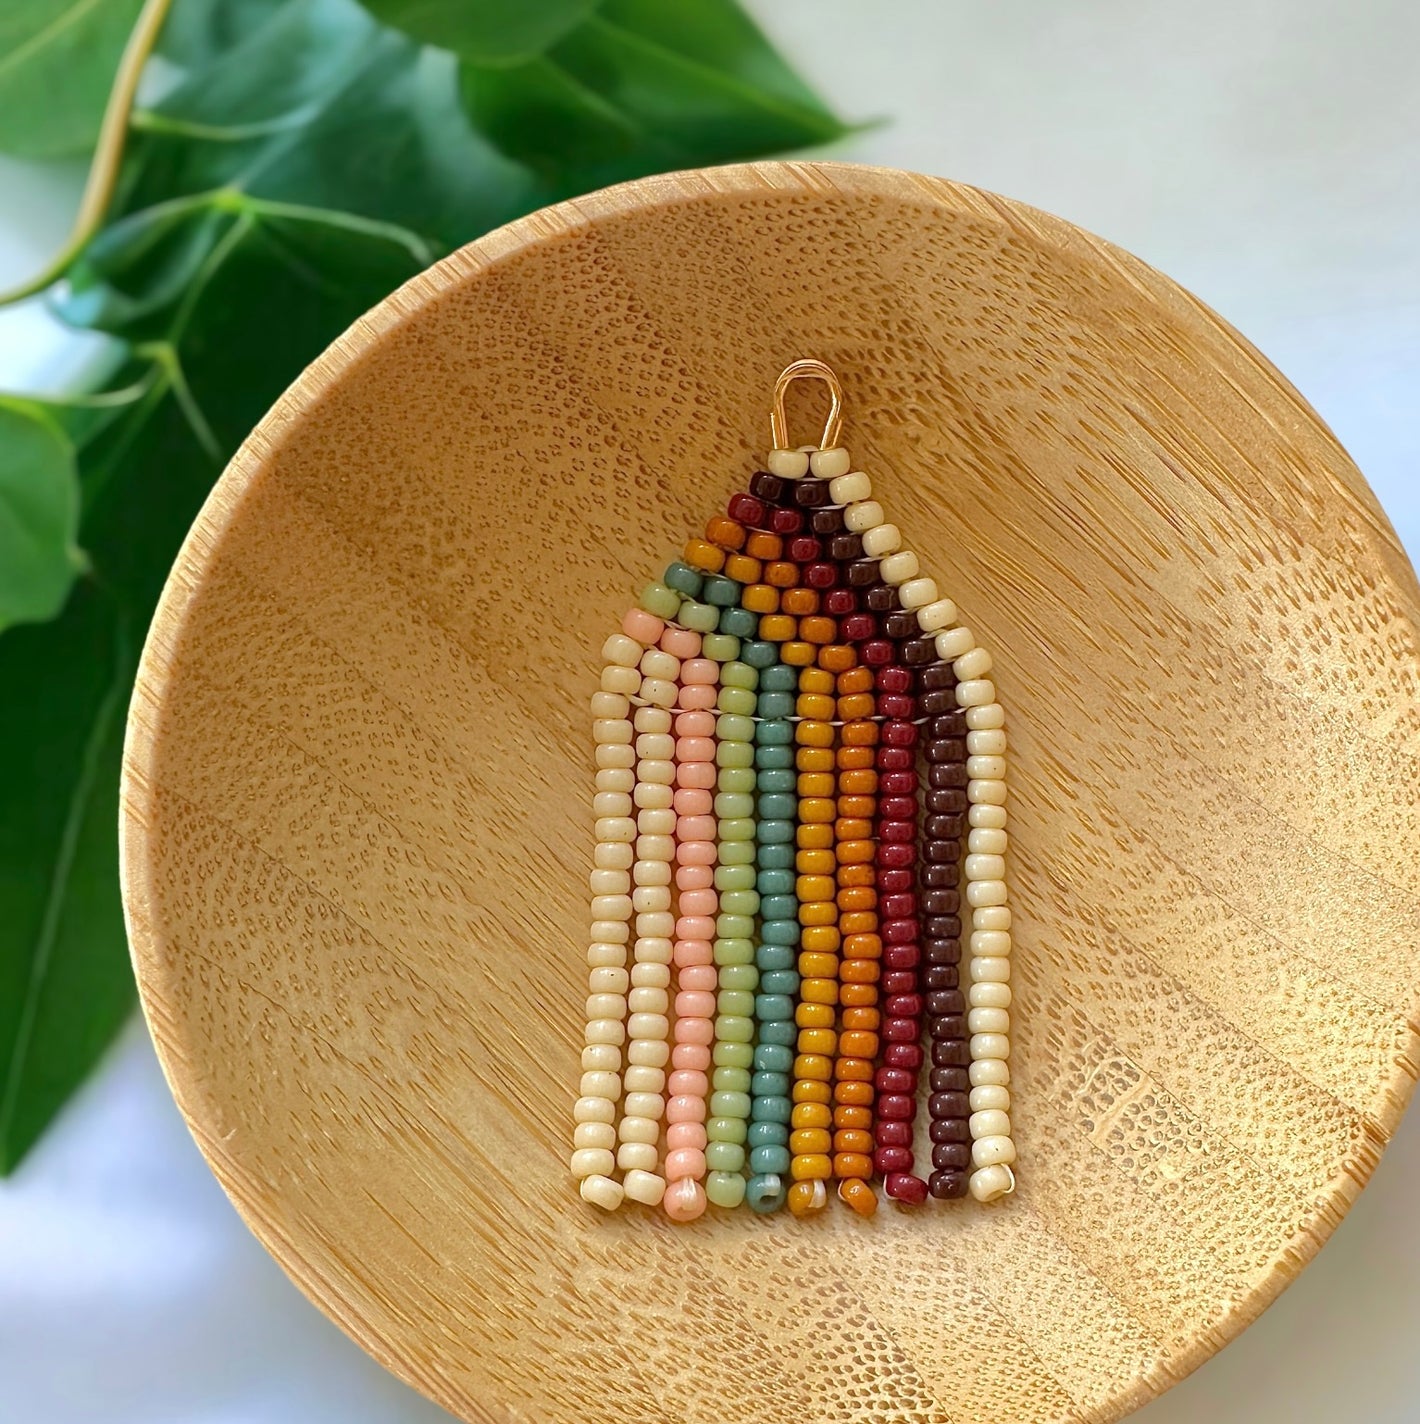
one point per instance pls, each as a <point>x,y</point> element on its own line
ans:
<point>944,750</point>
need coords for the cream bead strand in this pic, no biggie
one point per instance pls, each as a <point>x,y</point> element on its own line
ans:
<point>638,1153</point>
<point>593,1159</point>
<point>988,969</point>
<point>615,885</point>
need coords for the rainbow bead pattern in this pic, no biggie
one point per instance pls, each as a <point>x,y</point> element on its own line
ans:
<point>800,798</point>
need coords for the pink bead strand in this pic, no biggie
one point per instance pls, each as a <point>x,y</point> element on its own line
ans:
<point>698,902</point>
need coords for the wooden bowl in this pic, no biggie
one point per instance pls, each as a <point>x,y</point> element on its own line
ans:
<point>356,825</point>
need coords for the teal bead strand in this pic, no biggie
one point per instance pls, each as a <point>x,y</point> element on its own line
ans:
<point>770,1105</point>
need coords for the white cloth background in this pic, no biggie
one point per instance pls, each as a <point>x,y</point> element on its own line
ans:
<point>1265,155</point>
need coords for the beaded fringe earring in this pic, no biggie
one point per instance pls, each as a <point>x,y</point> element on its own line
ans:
<point>800,797</point>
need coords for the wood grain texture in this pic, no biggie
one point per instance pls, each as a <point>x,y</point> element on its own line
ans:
<point>356,819</point>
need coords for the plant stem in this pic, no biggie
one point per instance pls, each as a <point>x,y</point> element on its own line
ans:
<point>108,151</point>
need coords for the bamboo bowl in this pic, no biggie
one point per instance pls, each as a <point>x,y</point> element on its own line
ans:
<point>356,822</point>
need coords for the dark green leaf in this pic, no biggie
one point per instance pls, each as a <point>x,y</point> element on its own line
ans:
<point>39,514</point>
<point>65,986</point>
<point>493,32</point>
<point>641,86</point>
<point>159,251</point>
<point>57,63</point>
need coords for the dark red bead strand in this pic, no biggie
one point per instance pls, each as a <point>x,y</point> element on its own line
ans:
<point>900,1064</point>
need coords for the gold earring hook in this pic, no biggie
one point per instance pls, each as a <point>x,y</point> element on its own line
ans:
<point>800,371</point>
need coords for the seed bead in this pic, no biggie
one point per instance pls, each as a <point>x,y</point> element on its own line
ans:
<point>601,1190</point>
<point>859,518</point>
<point>933,617</point>
<point>986,716</point>
<point>972,664</point>
<point>898,568</point>
<point>788,464</point>
<point>849,488</point>
<point>880,541</point>
<point>643,1186</point>
<point>829,464</point>
<point>990,1183</point>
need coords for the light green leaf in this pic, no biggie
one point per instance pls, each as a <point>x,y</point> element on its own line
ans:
<point>39,514</point>
<point>57,61</point>
<point>491,32</point>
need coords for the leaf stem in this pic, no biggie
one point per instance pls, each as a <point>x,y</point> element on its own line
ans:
<point>108,152</point>
<point>413,243</point>
<point>151,121</point>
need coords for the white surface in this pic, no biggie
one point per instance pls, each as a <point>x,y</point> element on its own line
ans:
<point>1261,153</point>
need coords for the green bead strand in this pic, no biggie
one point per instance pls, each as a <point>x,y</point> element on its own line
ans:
<point>736,879</point>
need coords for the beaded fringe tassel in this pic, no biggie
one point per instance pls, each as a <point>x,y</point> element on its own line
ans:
<point>800,798</point>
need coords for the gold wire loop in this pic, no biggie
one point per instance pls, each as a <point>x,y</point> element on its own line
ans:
<point>801,371</point>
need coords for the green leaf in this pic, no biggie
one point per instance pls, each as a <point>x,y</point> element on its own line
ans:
<point>65,986</point>
<point>57,60</point>
<point>160,250</point>
<point>493,32</point>
<point>39,514</point>
<point>275,74</point>
<point>197,32</point>
<point>640,87</point>
<point>719,36</point>
<point>322,108</point>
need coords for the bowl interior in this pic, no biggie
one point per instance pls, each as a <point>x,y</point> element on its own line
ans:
<point>357,819</point>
